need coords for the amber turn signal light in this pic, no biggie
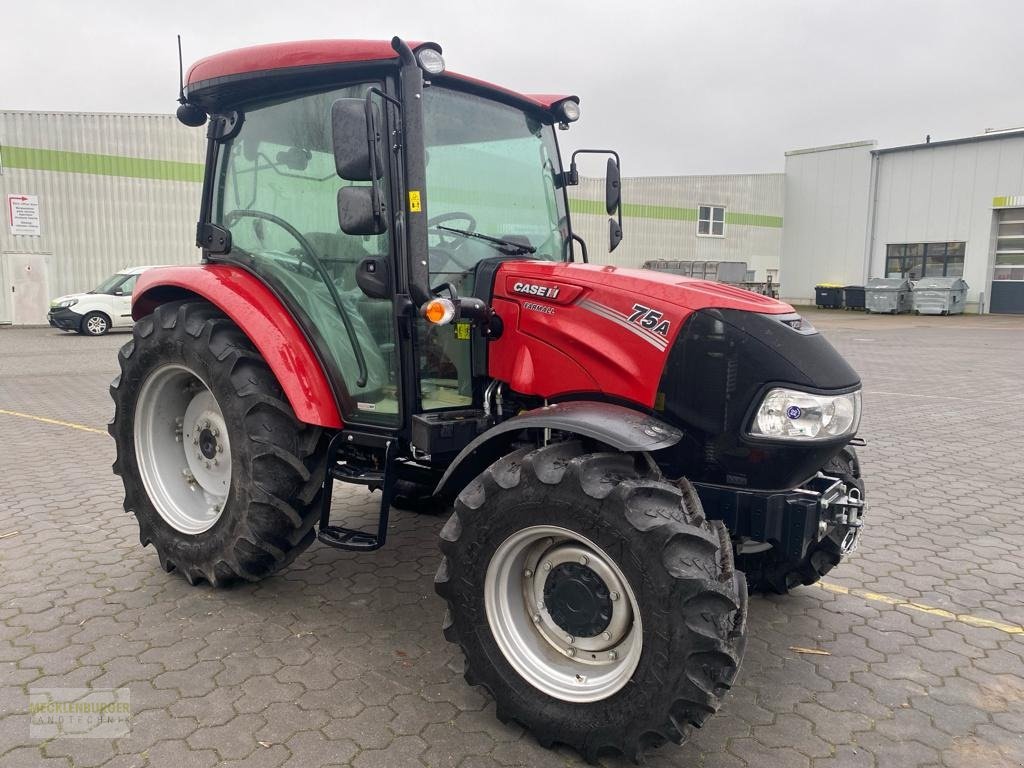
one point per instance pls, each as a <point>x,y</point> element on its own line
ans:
<point>439,311</point>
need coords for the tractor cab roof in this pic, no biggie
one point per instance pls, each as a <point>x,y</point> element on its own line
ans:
<point>233,77</point>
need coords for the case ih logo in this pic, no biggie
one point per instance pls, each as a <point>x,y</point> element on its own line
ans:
<point>533,289</point>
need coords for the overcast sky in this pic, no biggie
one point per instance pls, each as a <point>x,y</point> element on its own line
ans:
<point>676,87</point>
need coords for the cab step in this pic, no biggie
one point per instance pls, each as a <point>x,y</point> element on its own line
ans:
<point>351,539</point>
<point>372,477</point>
<point>352,473</point>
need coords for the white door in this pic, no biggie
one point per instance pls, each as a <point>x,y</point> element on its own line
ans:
<point>122,303</point>
<point>27,287</point>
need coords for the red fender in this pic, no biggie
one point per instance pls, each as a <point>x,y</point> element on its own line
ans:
<point>262,317</point>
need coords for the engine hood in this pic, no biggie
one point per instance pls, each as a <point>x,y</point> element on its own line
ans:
<point>578,328</point>
<point>59,299</point>
<point>684,292</point>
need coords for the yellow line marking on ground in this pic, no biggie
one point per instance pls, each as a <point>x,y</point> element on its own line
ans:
<point>963,618</point>
<point>57,422</point>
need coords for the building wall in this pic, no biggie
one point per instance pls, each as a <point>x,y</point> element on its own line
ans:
<point>119,190</point>
<point>944,193</point>
<point>660,219</point>
<point>114,190</point>
<point>827,203</point>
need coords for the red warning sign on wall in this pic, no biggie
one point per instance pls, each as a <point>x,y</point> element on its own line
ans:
<point>23,214</point>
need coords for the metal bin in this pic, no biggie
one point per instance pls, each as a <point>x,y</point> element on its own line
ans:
<point>940,296</point>
<point>889,295</point>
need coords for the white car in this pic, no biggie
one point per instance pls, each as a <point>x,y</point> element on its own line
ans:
<point>107,306</point>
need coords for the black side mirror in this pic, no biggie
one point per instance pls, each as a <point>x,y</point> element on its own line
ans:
<point>350,134</point>
<point>612,187</point>
<point>614,234</point>
<point>373,276</point>
<point>360,212</point>
<point>612,191</point>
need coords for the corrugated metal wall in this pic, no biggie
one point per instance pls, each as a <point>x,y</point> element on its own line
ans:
<point>660,219</point>
<point>827,208</point>
<point>114,190</point>
<point>944,193</point>
<point>845,204</point>
<point>120,190</point>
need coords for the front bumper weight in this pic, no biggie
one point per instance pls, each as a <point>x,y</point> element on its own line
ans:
<point>791,520</point>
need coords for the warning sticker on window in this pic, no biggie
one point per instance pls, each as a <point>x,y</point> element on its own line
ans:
<point>463,331</point>
<point>414,201</point>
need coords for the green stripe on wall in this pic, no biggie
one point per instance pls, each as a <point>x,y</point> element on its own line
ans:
<point>753,219</point>
<point>672,213</point>
<point>170,170</point>
<point>102,165</point>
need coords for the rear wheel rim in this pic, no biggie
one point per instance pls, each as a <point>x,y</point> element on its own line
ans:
<point>545,582</point>
<point>182,449</point>
<point>96,325</point>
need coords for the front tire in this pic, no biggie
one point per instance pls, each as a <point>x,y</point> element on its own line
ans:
<point>95,324</point>
<point>593,600</point>
<point>222,478</point>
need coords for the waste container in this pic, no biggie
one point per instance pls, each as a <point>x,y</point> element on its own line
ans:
<point>853,296</point>
<point>828,296</point>
<point>887,294</point>
<point>940,296</point>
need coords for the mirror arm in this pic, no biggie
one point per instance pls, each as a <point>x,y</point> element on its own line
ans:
<point>372,138</point>
<point>573,177</point>
<point>583,247</point>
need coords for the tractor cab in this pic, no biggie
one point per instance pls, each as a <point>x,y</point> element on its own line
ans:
<point>367,194</point>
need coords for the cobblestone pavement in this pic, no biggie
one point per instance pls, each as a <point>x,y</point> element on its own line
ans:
<point>339,660</point>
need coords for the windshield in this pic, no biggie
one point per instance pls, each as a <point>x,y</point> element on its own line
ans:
<point>110,284</point>
<point>491,171</point>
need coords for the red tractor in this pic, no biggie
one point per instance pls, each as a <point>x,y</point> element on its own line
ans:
<point>391,294</point>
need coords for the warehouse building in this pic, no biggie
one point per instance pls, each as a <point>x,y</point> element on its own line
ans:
<point>88,194</point>
<point>734,217</point>
<point>939,209</point>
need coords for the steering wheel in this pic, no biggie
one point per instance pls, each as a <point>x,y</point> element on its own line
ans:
<point>444,238</point>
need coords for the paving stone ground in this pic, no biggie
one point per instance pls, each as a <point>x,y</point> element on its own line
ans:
<point>339,660</point>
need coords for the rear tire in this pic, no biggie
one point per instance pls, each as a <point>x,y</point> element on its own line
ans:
<point>770,572</point>
<point>681,647</point>
<point>187,353</point>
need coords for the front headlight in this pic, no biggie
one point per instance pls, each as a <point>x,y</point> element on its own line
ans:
<point>786,414</point>
<point>66,303</point>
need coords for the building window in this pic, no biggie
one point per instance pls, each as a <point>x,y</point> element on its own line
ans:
<point>711,221</point>
<point>917,260</point>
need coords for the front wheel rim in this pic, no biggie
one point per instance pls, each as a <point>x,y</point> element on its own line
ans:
<point>96,325</point>
<point>544,582</point>
<point>182,449</point>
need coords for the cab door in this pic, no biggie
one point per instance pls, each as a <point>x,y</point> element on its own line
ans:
<point>121,303</point>
<point>277,193</point>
